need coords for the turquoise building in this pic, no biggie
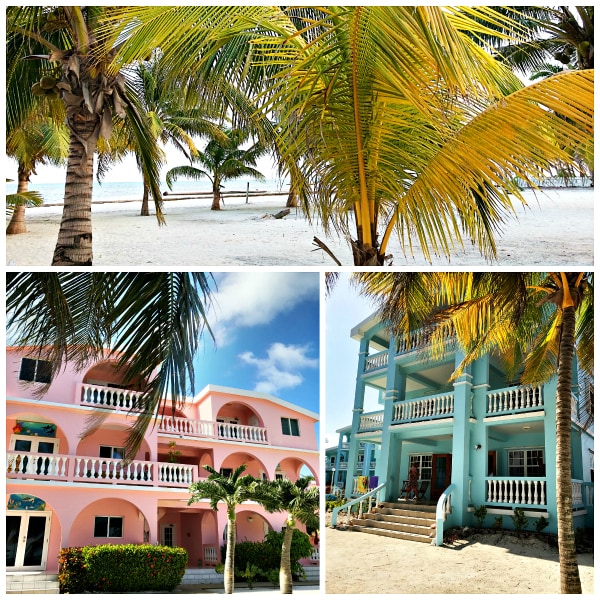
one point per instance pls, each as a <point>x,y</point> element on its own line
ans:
<point>479,440</point>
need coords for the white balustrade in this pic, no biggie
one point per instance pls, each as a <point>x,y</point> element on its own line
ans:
<point>371,421</point>
<point>242,433</point>
<point>113,470</point>
<point>577,491</point>
<point>376,361</point>
<point>173,474</point>
<point>315,554</point>
<point>528,492</point>
<point>441,405</point>
<point>106,397</point>
<point>515,399</point>
<point>53,466</point>
<point>209,555</point>
<point>183,426</point>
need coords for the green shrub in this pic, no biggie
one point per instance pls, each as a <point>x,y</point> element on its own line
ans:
<point>71,571</point>
<point>541,524</point>
<point>266,555</point>
<point>497,523</point>
<point>479,513</point>
<point>520,521</point>
<point>115,568</point>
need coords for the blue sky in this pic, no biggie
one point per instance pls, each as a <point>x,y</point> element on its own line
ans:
<point>266,326</point>
<point>344,309</point>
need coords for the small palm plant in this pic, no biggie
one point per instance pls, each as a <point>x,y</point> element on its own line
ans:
<point>301,501</point>
<point>232,489</point>
<point>222,160</point>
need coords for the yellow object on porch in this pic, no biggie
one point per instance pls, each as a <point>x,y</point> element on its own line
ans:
<point>362,484</point>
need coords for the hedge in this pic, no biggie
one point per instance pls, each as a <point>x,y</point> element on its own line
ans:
<point>115,568</point>
<point>266,555</point>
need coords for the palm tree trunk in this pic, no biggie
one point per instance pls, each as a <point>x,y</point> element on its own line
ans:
<point>216,204</point>
<point>145,212</point>
<point>366,256</point>
<point>569,572</point>
<point>74,245</point>
<point>229,573</point>
<point>17,222</point>
<point>285,568</point>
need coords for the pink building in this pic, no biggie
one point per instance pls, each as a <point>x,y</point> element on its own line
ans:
<point>64,490</point>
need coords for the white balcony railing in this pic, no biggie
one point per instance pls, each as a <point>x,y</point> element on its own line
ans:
<point>376,361</point>
<point>515,399</point>
<point>234,432</point>
<point>100,396</point>
<point>441,405</point>
<point>518,491</point>
<point>93,469</point>
<point>371,421</point>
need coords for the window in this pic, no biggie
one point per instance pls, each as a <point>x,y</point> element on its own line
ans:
<point>526,463</point>
<point>112,452</point>
<point>290,426</point>
<point>226,472</point>
<point>423,465</point>
<point>108,527</point>
<point>35,370</point>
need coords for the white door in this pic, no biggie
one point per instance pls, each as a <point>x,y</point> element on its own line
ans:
<point>27,536</point>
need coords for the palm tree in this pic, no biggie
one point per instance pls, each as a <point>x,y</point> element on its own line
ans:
<point>232,489</point>
<point>222,160</point>
<point>301,501</point>
<point>80,54</point>
<point>36,141</point>
<point>530,319</point>
<point>151,324</point>
<point>396,128</point>
<point>170,120</point>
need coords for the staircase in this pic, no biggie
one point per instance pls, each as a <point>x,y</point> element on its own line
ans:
<point>31,583</point>
<point>403,520</point>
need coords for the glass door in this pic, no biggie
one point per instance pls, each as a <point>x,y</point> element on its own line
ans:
<point>27,537</point>
<point>441,474</point>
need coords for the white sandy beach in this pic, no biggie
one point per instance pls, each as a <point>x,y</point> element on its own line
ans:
<point>556,228</point>
<point>358,563</point>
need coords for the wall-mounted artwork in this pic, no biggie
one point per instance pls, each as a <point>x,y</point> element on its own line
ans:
<point>33,428</point>
<point>25,502</point>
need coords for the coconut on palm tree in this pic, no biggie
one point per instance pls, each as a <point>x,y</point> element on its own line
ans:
<point>534,322</point>
<point>223,159</point>
<point>151,324</point>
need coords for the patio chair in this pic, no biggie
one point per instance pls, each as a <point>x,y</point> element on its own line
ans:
<point>404,491</point>
<point>423,489</point>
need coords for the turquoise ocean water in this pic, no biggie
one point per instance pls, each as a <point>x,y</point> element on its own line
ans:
<point>132,190</point>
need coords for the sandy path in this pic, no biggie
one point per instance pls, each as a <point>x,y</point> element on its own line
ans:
<point>556,229</point>
<point>368,564</point>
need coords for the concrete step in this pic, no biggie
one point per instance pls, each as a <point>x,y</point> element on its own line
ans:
<point>408,505</point>
<point>31,583</point>
<point>210,576</point>
<point>420,519</point>
<point>405,514</point>
<point>402,535</point>
<point>421,529</point>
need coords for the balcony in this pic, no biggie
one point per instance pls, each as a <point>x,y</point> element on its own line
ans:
<point>118,399</point>
<point>233,432</point>
<point>92,469</point>
<point>514,400</point>
<point>418,410</point>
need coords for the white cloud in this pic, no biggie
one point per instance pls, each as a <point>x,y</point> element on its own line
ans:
<point>281,368</point>
<point>256,298</point>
